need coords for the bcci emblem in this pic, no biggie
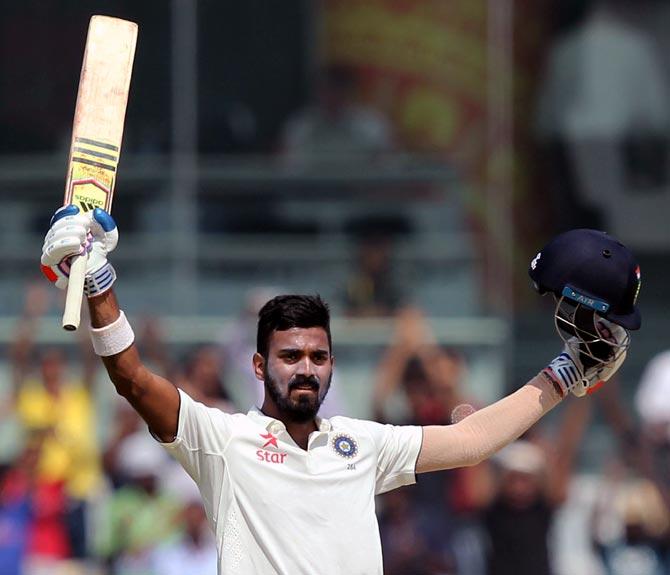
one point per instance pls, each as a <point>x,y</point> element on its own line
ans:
<point>345,446</point>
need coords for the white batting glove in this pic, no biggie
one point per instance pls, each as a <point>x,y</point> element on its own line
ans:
<point>567,371</point>
<point>72,233</point>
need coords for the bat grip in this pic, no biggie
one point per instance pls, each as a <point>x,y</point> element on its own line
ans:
<point>75,293</point>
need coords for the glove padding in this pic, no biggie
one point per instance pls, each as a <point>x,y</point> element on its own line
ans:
<point>569,371</point>
<point>72,233</point>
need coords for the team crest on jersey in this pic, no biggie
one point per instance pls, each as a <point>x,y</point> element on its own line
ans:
<point>345,445</point>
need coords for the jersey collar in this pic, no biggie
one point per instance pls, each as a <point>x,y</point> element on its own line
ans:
<point>272,424</point>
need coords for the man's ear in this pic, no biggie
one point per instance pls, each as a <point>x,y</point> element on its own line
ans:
<point>259,363</point>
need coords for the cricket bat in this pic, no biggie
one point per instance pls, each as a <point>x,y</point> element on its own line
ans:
<point>97,132</point>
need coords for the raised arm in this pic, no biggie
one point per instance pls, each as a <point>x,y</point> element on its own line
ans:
<point>72,232</point>
<point>483,433</point>
<point>152,396</point>
<point>595,281</point>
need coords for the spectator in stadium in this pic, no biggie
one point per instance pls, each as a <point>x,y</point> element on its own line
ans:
<point>49,401</point>
<point>631,525</point>
<point>236,343</point>
<point>202,378</point>
<point>34,537</point>
<point>16,509</point>
<point>420,383</point>
<point>372,289</point>
<point>604,139</point>
<point>194,551</point>
<point>338,126</point>
<point>652,401</point>
<point>412,541</point>
<point>126,425</point>
<point>428,376</point>
<point>151,340</point>
<point>138,516</point>
<point>532,479</point>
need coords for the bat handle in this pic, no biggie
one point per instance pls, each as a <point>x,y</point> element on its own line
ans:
<point>75,293</point>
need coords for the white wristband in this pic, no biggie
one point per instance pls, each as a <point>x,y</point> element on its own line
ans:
<point>113,338</point>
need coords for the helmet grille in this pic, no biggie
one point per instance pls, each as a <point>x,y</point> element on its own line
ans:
<point>596,344</point>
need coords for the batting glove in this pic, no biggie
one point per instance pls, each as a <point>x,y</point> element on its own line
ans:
<point>568,371</point>
<point>72,233</point>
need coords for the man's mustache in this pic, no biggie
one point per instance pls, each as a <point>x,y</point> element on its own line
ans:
<point>304,381</point>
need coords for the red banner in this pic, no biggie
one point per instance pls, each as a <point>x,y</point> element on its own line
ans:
<point>423,62</point>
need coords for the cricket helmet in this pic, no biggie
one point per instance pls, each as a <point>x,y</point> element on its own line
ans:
<point>591,275</point>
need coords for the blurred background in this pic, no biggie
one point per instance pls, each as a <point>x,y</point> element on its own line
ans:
<point>403,158</point>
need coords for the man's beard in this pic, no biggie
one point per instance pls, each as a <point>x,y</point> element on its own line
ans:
<point>307,405</point>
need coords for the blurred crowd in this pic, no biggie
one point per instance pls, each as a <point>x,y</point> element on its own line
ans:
<point>85,489</point>
<point>501,517</point>
<point>88,490</point>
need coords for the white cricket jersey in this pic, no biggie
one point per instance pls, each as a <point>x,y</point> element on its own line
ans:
<point>278,509</point>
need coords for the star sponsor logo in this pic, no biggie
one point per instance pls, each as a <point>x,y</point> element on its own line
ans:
<point>270,440</point>
<point>345,445</point>
<point>270,456</point>
<point>267,456</point>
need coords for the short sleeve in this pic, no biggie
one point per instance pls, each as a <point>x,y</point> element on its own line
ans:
<point>398,448</point>
<point>203,434</point>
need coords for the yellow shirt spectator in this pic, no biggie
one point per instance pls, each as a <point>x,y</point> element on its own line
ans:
<point>69,451</point>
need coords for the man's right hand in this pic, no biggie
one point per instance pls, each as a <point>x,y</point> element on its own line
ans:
<point>72,233</point>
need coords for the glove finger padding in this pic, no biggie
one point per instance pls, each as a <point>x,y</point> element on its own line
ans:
<point>105,236</point>
<point>66,237</point>
<point>72,233</point>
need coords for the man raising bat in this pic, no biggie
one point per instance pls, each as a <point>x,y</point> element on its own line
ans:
<point>287,492</point>
<point>97,132</point>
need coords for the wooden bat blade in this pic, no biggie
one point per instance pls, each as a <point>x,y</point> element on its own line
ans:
<point>97,131</point>
<point>99,116</point>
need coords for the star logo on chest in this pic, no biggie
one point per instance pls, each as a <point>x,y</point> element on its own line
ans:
<point>270,440</point>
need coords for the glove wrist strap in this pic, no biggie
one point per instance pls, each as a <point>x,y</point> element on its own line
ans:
<point>113,338</point>
<point>563,371</point>
<point>99,281</point>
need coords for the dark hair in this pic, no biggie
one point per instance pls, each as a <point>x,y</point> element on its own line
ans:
<point>286,311</point>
